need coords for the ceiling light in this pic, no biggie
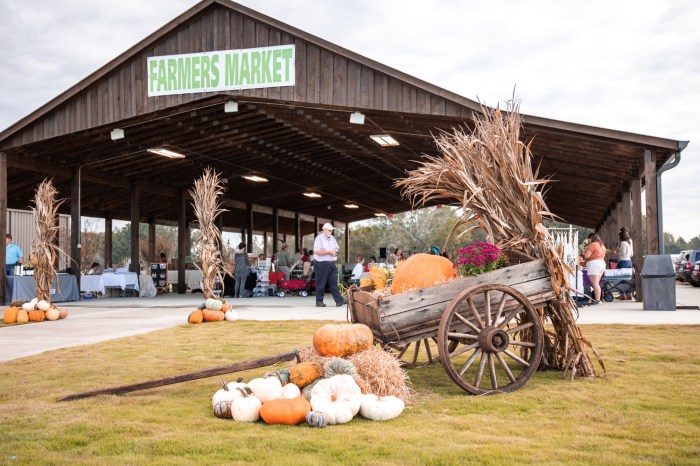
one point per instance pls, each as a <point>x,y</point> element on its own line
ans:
<point>357,118</point>
<point>384,140</point>
<point>231,107</point>
<point>166,153</point>
<point>351,206</point>
<point>117,133</point>
<point>380,214</point>
<point>314,195</point>
<point>256,178</point>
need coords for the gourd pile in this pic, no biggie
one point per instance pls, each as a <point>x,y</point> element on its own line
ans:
<point>32,311</point>
<point>212,310</point>
<point>310,393</point>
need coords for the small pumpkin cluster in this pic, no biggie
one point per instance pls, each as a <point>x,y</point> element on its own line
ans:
<point>212,310</point>
<point>32,311</point>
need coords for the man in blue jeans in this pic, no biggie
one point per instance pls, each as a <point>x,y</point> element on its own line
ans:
<point>325,255</point>
<point>13,255</point>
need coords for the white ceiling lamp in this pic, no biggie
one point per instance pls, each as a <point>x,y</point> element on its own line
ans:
<point>162,151</point>
<point>231,107</point>
<point>380,214</point>
<point>312,195</point>
<point>117,133</point>
<point>384,140</point>
<point>256,178</point>
<point>357,118</point>
<point>351,206</point>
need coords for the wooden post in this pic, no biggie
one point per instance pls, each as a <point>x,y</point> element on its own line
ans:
<point>264,251</point>
<point>652,209</point>
<point>275,229</point>
<point>219,222</point>
<point>249,212</point>
<point>3,222</point>
<point>152,240</point>
<point>636,233</point>
<point>76,264</point>
<point>316,227</point>
<point>181,242</point>
<point>626,214</point>
<point>347,243</point>
<point>297,232</point>
<point>108,240</point>
<point>135,220</point>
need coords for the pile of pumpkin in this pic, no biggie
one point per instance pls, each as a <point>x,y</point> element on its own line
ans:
<point>32,311</point>
<point>308,391</point>
<point>418,271</point>
<point>212,310</point>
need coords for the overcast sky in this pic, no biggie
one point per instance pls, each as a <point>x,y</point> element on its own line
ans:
<point>626,65</point>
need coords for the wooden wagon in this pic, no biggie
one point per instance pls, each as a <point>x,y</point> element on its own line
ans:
<point>482,324</point>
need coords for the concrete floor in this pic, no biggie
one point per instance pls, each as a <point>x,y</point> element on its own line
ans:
<point>101,319</point>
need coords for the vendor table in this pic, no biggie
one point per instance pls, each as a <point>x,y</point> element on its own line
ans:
<point>193,278</point>
<point>123,281</point>
<point>19,287</point>
<point>89,283</point>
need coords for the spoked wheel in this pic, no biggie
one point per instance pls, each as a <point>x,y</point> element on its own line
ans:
<point>490,339</point>
<point>416,353</point>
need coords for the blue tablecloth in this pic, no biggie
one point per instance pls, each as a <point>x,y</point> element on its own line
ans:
<point>24,288</point>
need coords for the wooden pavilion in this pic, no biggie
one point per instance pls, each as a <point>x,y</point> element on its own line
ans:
<point>313,135</point>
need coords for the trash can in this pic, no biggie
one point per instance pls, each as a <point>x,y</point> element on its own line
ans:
<point>659,284</point>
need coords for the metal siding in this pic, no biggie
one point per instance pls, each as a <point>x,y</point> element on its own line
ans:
<point>20,224</point>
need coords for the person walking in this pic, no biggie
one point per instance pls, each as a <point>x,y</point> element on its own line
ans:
<point>283,260</point>
<point>325,255</point>
<point>13,255</point>
<point>594,255</point>
<point>240,269</point>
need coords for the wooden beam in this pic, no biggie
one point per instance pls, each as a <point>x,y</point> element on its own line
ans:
<point>151,239</point>
<point>249,215</point>
<point>108,241</point>
<point>347,243</point>
<point>75,228</point>
<point>651,205</point>
<point>3,222</point>
<point>275,230</point>
<point>297,232</point>
<point>636,233</point>
<point>181,242</point>
<point>135,251</point>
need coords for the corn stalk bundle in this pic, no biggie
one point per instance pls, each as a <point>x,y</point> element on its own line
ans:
<point>207,192</point>
<point>488,173</point>
<point>44,250</point>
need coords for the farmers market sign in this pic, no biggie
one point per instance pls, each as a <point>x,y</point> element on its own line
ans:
<point>221,70</point>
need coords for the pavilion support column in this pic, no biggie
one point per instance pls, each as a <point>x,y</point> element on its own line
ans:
<point>108,241</point>
<point>347,243</point>
<point>182,234</point>
<point>135,251</point>
<point>626,215</point>
<point>3,222</point>
<point>298,240</point>
<point>317,228</point>
<point>275,229</point>
<point>219,222</point>
<point>652,209</point>
<point>249,216</point>
<point>76,263</point>
<point>264,244</point>
<point>636,233</point>
<point>151,239</point>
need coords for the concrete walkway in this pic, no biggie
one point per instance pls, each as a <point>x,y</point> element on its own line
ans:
<point>95,320</point>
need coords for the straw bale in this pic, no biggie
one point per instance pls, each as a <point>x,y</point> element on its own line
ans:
<point>382,374</point>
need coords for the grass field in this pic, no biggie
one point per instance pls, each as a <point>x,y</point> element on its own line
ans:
<point>645,411</point>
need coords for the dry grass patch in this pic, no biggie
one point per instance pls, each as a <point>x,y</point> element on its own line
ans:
<point>644,411</point>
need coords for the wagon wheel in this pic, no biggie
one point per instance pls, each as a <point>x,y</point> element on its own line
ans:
<point>496,327</point>
<point>416,353</point>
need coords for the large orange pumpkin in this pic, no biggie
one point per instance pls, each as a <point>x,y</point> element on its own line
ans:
<point>342,339</point>
<point>195,317</point>
<point>421,271</point>
<point>285,411</point>
<point>304,373</point>
<point>210,315</point>
<point>36,316</point>
<point>10,316</point>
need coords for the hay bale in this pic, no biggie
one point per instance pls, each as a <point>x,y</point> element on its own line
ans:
<point>383,374</point>
<point>309,354</point>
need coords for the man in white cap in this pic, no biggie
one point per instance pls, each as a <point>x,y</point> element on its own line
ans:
<point>325,255</point>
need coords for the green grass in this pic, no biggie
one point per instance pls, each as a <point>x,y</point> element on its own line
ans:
<point>645,411</point>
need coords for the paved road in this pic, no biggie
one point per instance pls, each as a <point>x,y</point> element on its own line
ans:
<point>96,320</point>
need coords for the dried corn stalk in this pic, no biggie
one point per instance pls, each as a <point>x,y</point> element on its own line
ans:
<point>206,194</point>
<point>488,173</point>
<point>44,250</point>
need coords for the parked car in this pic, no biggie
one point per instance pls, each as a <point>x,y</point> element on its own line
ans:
<point>677,264</point>
<point>695,275</point>
<point>687,264</point>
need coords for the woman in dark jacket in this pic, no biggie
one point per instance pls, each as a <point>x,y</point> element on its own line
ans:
<point>240,269</point>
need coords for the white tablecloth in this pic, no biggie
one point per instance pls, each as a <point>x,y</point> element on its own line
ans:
<point>121,280</point>
<point>92,283</point>
<point>148,290</point>
<point>193,278</point>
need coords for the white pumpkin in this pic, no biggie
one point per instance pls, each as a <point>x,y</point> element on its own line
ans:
<point>236,384</point>
<point>28,306</point>
<point>380,409</point>
<point>225,394</point>
<point>339,397</point>
<point>43,305</point>
<point>34,300</point>
<point>230,315</point>
<point>213,304</point>
<point>290,391</point>
<point>246,408</point>
<point>266,389</point>
<point>52,314</point>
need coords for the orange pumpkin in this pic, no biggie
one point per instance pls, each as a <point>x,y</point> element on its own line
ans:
<point>210,315</point>
<point>285,411</point>
<point>22,317</point>
<point>225,307</point>
<point>10,315</point>
<point>304,373</point>
<point>421,271</point>
<point>195,317</point>
<point>342,339</point>
<point>36,316</point>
